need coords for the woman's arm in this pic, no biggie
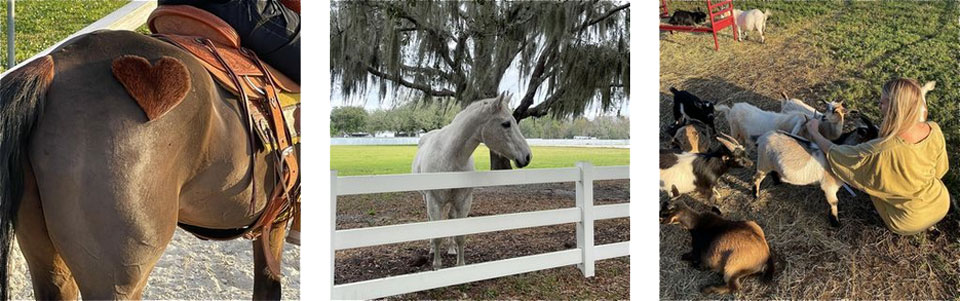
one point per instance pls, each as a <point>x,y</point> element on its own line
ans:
<point>813,126</point>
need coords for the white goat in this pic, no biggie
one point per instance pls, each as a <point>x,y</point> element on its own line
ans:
<point>832,128</point>
<point>748,122</point>
<point>753,19</point>
<point>800,163</point>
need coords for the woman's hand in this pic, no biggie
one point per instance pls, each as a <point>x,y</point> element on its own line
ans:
<point>813,125</point>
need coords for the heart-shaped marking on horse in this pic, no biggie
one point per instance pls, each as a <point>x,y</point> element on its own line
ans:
<point>157,88</point>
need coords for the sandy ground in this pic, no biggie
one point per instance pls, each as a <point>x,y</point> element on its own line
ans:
<point>192,269</point>
<point>612,280</point>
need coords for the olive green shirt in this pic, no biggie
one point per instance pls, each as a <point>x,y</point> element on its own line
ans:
<point>902,179</point>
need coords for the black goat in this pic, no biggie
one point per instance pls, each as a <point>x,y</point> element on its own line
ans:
<point>682,172</point>
<point>690,18</point>
<point>686,103</point>
<point>736,249</point>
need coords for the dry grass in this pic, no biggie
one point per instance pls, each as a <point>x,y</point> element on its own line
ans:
<point>859,260</point>
<point>612,280</point>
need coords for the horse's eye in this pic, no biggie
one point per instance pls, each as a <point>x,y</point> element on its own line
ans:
<point>506,124</point>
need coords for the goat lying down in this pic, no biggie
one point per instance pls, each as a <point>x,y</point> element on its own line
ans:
<point>736,249</point>
<point>686,172</point>
<point>748,122</point>
<point>798,163</point>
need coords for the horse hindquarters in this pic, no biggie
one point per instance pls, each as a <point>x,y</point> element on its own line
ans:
<point>22,98</point>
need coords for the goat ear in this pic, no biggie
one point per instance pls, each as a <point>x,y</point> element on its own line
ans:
<point>927,87</point>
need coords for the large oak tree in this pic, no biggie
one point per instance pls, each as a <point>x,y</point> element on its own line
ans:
<point>570,54</point>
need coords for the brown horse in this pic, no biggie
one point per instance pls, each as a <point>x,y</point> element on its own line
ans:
<point>94,192</point>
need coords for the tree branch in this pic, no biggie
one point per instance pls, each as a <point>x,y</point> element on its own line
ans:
<point>541,109</point>
<point>428,71</point>
<point>601,18</point>
<point>399,80</point>
<point>536,79</point>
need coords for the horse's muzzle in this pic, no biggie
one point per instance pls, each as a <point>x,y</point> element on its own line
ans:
<point>524,162</point>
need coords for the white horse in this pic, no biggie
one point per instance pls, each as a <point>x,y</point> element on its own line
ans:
<point>450,149</point>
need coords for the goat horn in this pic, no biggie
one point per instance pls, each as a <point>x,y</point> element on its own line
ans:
<point>784,94</point>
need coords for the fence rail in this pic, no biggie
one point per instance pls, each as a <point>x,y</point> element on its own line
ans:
<point>584,214</point>
<point>127,17</point>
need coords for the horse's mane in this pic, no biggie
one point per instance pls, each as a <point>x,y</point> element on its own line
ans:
<point>477,105</point>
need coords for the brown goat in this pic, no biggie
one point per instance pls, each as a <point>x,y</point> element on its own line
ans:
<point>693,137</point>
<point>736,249</point>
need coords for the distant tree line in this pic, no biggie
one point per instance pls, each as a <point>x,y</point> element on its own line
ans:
<point>414,117</point>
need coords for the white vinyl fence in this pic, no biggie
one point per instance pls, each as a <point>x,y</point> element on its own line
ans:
<point>584,214</point>
<point>128,17</point>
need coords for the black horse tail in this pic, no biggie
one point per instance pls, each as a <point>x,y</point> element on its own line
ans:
<point>22,96</point>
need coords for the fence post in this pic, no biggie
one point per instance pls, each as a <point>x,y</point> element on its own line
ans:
<point>11,49</point>
<point>585,226</point>
<point>333,230</point>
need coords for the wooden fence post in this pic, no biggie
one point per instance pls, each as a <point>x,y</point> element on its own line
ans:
<point>585,226</point>
<point>333,231</point>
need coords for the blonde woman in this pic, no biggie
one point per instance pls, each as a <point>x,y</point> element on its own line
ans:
<point>902,169</point>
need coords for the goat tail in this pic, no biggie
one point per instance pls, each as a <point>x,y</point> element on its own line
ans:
<point>22,97</point>
<point>770,269</point>
<point>721,108</point>
<point>673,90</point>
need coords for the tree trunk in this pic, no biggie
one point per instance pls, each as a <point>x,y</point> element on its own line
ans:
<point>498,162</point>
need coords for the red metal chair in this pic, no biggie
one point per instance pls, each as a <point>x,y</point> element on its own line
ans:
<point>719,19</point>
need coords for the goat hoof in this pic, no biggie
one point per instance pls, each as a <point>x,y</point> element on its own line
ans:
<point>834,221</point>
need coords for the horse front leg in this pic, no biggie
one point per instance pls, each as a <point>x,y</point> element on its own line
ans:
<point>435,214</point>
<point>265,285</point>
<point>460,210</point>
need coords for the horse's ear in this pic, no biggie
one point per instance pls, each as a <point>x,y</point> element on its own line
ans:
<point>503,101</point>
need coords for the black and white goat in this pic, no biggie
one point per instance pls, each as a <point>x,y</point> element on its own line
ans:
<point>801,163</point>
<point>683,172</point>
<point>690,18</point>
<point>695,108</point>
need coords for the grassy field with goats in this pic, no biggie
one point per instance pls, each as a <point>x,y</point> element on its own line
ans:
<point>822,50</point>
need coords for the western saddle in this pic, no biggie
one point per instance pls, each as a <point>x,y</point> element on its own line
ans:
<point>258,86</point>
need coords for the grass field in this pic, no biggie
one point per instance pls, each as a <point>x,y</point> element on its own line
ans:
<point>41,23</point>
<point>351,160</point>
<point>823,50</point>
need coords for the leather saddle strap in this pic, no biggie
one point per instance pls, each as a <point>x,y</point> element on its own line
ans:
<point>287,169</point>
<point>249,120</point>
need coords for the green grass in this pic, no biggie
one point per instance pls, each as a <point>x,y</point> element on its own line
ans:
<point>353,160</point>
<point>42,23</point>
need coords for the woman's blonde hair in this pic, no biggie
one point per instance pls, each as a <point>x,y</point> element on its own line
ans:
<point>905,107</point>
